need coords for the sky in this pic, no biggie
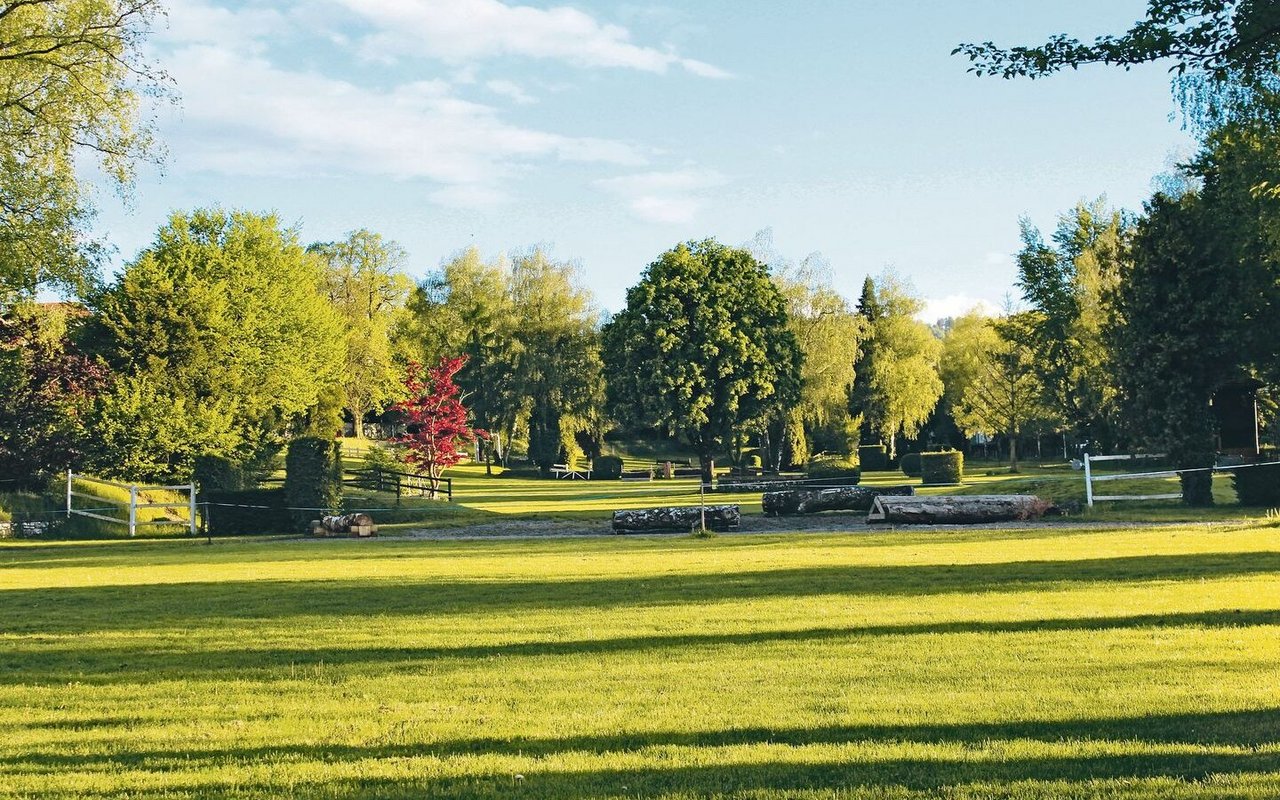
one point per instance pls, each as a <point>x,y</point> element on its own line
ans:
<point>610,132</point>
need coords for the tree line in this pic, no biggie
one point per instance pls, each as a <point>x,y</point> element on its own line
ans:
<point>228,335</point>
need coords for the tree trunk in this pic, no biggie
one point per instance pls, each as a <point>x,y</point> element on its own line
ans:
<point>1013,452</point>
<point>812,501</point>
<point>959,510</point>
<point>683,519</point>
<point>358,413</point>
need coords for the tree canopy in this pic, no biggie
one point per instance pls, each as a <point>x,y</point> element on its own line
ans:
<point>703,348</point>
<point>224,312</point>
<point>72,79</point>
<point>1225,55</point>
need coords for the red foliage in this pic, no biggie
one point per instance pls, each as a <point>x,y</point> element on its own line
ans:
<point>437,420</point>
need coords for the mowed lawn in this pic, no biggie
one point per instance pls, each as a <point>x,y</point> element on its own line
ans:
<point>1050,663</point>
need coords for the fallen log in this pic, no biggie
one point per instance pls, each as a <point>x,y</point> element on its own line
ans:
<point>749,485</point>
<point>812,501</point>
<point>676,518</point>
<point>959,510</point>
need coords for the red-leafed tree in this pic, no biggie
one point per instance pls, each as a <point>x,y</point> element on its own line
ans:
<point>437,420</point>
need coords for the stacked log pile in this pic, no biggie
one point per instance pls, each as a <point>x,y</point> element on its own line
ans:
<point>676,518</point>
<point>359,525</point>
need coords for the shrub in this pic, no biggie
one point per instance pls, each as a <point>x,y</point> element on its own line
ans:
<point>834,468</point>
<point>606,468</point>
<point>942,468</point>
<point>227,515</point>
<point>313,478</point>
<point>910,464</point>
<point>873,457</point>
<point>218,473</point>
<point>755,462</point>
<point>1257,486</point>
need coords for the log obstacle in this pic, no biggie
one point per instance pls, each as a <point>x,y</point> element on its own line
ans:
<point>812,501</point>
<point>676,518</point>
<point>344,525</point>
<point>959,510</point>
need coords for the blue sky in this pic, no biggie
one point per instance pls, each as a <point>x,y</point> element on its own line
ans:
<point>612,131</point>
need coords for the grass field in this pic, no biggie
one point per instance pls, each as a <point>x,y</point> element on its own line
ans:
<point>1052,663</point>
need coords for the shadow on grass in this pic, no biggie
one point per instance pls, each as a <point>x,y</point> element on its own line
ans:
<point>138,663</point>
<point>1246,730</point>
<point>160,606</point>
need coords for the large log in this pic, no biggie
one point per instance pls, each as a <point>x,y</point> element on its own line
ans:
<point>959,510</point>
<point>676,518</point>
<point>353,524</point>
<point>812,501</point>
<point>747,485</point>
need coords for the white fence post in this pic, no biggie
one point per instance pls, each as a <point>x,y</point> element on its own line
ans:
<point>133,510</point>
<point>1088,481</point>
<point>68,494</point>
<point>191,507</point>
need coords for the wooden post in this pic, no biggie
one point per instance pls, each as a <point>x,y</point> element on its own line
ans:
<point>133,510</point>
<point>191,506</point>
<point>1088,481</point>
<point>68,494</point>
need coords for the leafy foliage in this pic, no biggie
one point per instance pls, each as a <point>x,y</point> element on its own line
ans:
<point>703,348</point>
<point>46,388</point>
<point>1070,288</point>
<point>910,465</point>
<point>436,419</point>
<point>1257,486</point>
<point>873,457</point>
<point>72,75</point>
<point>221,320</point>
<point>364,281</point>
<point>991,377</point>
<point>1225,55</point>
<point>896,387</point>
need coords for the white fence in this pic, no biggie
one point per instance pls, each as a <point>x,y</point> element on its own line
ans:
<point>129,510</point>
<point>1090,479</point>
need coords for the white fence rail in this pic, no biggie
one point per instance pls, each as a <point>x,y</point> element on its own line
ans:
<point>128,510</point>
<point>1090,479</point>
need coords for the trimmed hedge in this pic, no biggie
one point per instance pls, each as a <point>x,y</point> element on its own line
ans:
<point>1257,486</point>
<point>230,519</point>
<point>606,468</point>
<point>835,468</point>
<point>942,468</point>
<point>218,474</point>
<point>910,464</point>
<point>313,478</point>
<point>873,458</point>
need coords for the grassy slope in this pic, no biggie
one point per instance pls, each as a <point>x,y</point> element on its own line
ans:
<point>1134,664</point>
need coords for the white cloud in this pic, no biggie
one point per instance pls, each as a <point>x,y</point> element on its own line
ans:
<point>667,197</point>
<point>512,91</point>
<point>245,116</point>
<point>955,305</point>
<point>460,31</point>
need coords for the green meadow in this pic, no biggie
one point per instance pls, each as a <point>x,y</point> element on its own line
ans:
<point>1051,663</point>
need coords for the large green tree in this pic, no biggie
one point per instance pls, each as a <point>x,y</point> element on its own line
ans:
<point>557,364</point>
<point>224,315</point>
<point>897,386</point>
<point>991,383</point>
<point>703,348</point>
<point>72,79</point>
<point>1069,287</point>
<point>365,281</point>
<point>1224,54</point>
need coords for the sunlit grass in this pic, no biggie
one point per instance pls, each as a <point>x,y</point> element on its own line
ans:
<point>1057,663</point>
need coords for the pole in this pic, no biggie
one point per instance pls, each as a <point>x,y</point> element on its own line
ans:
<point>68,494</point>
<point>191,506</point>
<point>133,510</point>
<point>702,504</point>
<point>1088,481</point>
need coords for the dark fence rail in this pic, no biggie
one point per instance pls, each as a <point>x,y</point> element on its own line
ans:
<point>401,483</point>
